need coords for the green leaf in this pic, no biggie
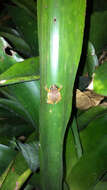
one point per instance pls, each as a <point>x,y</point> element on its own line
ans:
<point>17,174</point>
<point>20,72</point>
<point>28,187</point>
<point>60,31</point>
<point>30,153</point>
<point>89,168</point>
<point>92,164</point>
<point>27,27</point>
<point>6,156</point>
<point>13,180</point>
<point>21,180</point>
<point>100,5</point>
<point>90,115</point>
<point>14,106</point>
<point>6,61</point>
<point>70,156</point>
<point>15,126</point>
<point>5,140</point>
<point>97,33</point>
<point>4,175</point>
<point>91,60</point>
<point>4,92</point>
<point>66,186</point>
<point>35,180</point>
<point>92,119</point>
<point>100,80</point>
<point>28,96</point>
<point>4,113</point>
<point>17,43</point>
<point>101,186</point>
<point>29,6</point>
<point>96,130</point>
<point>76,138</point>
<point>9,30</point>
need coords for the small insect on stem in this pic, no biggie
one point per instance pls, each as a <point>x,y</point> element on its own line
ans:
<point>53,95</point>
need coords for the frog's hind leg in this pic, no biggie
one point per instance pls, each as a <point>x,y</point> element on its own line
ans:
<point>50,102</point>
<point>60,88</point>
<point>58,100</point>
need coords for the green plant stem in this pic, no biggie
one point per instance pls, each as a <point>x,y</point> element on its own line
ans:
<point>76,138</point>
<point>60,31</point>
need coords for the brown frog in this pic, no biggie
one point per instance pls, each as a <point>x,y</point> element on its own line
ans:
<point>54,95</point>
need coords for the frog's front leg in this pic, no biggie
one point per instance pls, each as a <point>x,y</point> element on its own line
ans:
<point>47,89</point>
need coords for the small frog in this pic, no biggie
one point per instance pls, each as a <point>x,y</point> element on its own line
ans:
<point>54,95</point>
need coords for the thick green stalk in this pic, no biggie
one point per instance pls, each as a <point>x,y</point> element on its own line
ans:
<point>60,31</point>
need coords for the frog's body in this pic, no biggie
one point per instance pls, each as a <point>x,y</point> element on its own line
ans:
<point>54,95</point>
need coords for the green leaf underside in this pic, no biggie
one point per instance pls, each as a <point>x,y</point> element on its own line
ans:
<point>30,153</point>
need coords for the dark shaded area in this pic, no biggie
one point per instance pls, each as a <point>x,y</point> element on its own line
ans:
<point>8,51</point>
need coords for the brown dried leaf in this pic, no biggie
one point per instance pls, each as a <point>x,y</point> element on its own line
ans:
<point>87,99</point>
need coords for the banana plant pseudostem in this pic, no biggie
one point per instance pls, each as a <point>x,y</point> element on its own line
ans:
<point>60,32</point>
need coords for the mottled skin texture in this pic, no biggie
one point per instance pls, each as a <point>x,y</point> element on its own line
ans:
<point>54,95</point>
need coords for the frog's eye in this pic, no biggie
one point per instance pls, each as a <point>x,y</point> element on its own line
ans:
<point>54,86</point>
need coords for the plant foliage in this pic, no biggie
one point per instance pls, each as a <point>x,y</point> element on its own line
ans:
<point>48,50</point>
